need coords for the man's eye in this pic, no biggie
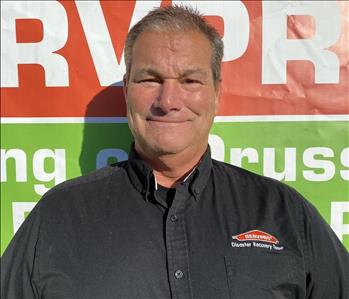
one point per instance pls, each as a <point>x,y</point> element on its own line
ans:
<point>148,80</point>
<point>191,81</point>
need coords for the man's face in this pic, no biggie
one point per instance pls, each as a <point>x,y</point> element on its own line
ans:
<point>170,94</point>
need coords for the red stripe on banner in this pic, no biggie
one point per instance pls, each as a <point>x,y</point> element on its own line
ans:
<point>242,90</point>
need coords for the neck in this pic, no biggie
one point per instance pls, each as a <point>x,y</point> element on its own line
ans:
<point>170,169</point>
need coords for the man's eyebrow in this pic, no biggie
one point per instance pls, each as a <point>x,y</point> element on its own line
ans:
<point>193,71</point>
<point>147,71</point>
<point>152,72</point>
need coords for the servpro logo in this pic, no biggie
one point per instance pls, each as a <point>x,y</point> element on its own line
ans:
<point>256,235</point>
<point>256,238</point>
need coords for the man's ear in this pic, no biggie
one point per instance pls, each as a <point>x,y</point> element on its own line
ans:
<point>124,88</point>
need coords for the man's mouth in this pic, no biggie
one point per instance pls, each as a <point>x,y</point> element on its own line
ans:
<point>166,120</point>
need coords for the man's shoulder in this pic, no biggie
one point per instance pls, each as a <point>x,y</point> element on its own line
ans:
<point>86,196</point>
<point>93,180</point>
<point>249,181</point>
<point>242,174</point>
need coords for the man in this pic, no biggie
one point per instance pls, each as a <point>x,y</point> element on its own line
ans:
<point>171,222</point>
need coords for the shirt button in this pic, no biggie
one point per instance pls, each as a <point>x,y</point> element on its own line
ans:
<point>174,218</point>
<point>179,274</point>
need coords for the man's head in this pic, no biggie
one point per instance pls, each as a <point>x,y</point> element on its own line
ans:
<point>177,19</point>
<point>172,82</point>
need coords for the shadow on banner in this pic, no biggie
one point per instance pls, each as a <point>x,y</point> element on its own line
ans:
<point>105,143</point>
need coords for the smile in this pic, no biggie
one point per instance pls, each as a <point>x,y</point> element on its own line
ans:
<point>166,121</point>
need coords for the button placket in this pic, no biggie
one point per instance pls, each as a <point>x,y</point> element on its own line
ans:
<point>177,247</point>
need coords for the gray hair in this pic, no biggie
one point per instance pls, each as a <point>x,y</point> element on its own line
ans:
<point>177,18</point>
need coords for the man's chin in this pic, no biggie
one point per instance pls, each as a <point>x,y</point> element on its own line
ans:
<point>167,148</point>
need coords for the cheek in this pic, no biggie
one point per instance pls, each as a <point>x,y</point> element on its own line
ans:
<point>139,101</point>
<point>202,103</point>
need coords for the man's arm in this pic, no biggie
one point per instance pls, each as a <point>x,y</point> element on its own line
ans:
<point>326,259</point>
<point>19,261</point>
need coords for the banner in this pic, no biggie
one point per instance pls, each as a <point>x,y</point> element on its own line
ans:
<point>284,108</point>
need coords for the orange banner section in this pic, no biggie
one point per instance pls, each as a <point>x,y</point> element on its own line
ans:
<point>270,75</point>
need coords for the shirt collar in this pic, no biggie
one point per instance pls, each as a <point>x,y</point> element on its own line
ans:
<point>142,177</point>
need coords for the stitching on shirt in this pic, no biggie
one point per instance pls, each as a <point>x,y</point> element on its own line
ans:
<point>301,220</point>
<point>187,254</point>
<point>37,260</point>
<point>108,186</point>
<point>170,250</point>
<point>299,200</point>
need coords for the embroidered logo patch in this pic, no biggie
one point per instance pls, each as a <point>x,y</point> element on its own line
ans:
<point>256,238</point>
<point>256,235</point>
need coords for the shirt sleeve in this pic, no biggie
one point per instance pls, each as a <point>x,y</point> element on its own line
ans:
<point>326,259</point>
<point>19,262</point>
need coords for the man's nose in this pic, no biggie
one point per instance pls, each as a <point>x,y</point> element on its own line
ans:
<point>169,97</point>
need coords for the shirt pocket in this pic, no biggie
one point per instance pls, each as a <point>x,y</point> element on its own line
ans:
<point>264,274</point>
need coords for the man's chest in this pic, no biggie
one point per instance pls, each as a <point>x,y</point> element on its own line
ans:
<point>190,250</point>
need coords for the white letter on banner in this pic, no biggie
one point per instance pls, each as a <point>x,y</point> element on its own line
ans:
<point>338,208</point>
<point>237,154</point>
<point>236,24</point>
<point>217,147</point>
<point>277,49</point>
<point>58,174</point>
<point>109,71</point>
<point>55,35</point>
<point>19,210</point>
<point>20,161</point>
<point>289,173</point>
<point>310,161</point>
<point>105,154</point>
<point>345,162</point>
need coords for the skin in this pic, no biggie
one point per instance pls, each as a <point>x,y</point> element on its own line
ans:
<point>171,101</point>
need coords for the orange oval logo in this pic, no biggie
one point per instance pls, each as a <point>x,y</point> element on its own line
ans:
<point>256,235</point>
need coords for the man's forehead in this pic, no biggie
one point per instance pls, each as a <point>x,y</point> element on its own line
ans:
<point>172,35</point>
<point>154,54</point>
<point>176,41</point>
